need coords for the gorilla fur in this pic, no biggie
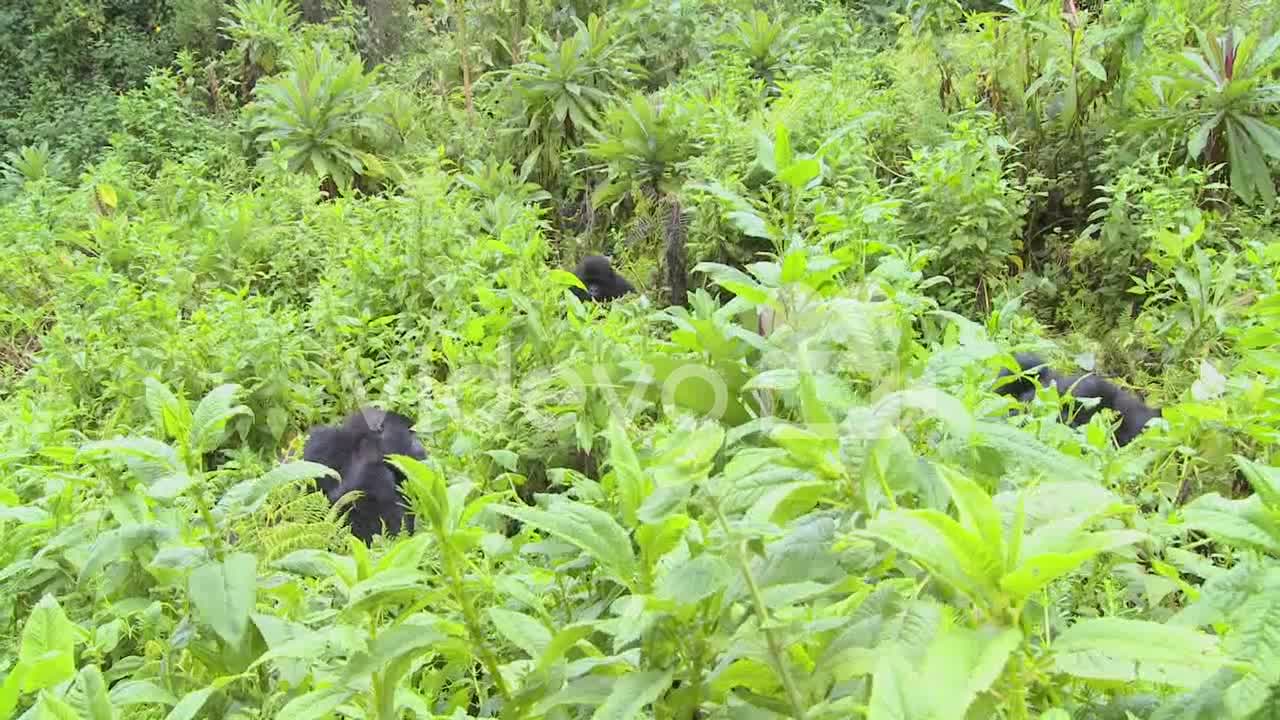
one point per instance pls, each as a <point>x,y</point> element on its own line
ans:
<point>602,281</point>
<point>1134,413</point>
<point>357,450</point>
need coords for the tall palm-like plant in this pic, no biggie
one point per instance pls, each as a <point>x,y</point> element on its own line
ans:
<point>262,31</point>
<point>321,115</point>
<point>1230,92</point>
<point>561,90</point>
<point>641,146</point>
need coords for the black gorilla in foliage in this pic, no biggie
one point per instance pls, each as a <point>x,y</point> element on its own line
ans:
<point>1134,413</point>
<point>602,281</point>
<point>357,450</point>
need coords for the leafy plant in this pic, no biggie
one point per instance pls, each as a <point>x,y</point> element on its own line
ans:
<point>1228,92</point>
<point>562,89</point>
<point>262,31</point>
<point>321,114</point>
<point>766,44</point>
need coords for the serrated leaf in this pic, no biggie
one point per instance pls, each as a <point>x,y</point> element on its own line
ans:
<point>631,693</point>
<point>47,647</point>
<point>190,704</point>
<point>589,529</point>
<point>209,421</point>
<point>689,582</point>
<point>168,412</point>
<point>141,692</point>
<point>315,704</point>
<point>749,223</point>
<point>1242,522</point>
<point>247,496</point>
<point>1123,650</point>
<point>632,484</point>
<point>96,703</point>
<point>525,632</point>
<point>224,594</point>
<point>52,707</point>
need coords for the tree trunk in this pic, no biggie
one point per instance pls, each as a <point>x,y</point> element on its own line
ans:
<point>383,32</point>
<point>313,11</point>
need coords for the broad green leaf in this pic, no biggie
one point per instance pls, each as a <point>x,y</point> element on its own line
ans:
<point>190,704</point>
<point>695,579</point>
<point>96,703</point>
<point>752,225</point>
<point>894,692</point>
<point>315,704</point>
<point>523,631</point>
<point>106,195</point>
<point>939,544</point>
<point>978,515</point>
<point>633,486</point>
<point>1200,138</point>
<point>1094,68</point>
<point>11,689</point>
<point>1264,479</point>
<point>387,586</point>
<point>566,638</point>
<point>48,646</point>
<point>52,707</point>
<point>397,645</point>
<point>168,412</point>
<point>118,543</point>
<point>1037,572</point>
<point>426,489</point>
<point>631,693</point>
<point>224,594</point>
<point>565,278</point>
<point>800,173</point>
<point>248,496</point>
<point>145,457</point>
<point>209,421</point>
<point>782,153</point>
<point>1122,650</point>
<point>589,529</point>
<point>141,692</point>
<point>1242,522</point>
<point>959,664</point>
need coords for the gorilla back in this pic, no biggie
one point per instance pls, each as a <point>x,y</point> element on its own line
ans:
<point>602,281</point>
<point>357,450</point>
<point>1134,413</point>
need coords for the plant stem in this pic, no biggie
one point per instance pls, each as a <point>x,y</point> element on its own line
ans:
<point>470,618</point>
<point>762,616</point>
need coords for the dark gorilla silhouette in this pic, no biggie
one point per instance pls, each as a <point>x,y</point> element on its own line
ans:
<point>602,281</point>
<point>1134,413</point>
<point>357,450</point>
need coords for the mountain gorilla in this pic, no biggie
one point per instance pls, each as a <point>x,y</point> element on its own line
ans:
<point>1134,413</point>
<point>357,450</point>
<point>602,281</point>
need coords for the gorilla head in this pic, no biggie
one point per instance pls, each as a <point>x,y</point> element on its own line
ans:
<point>1134,413</point>
<point>603,283</point>
<point>357,450</point>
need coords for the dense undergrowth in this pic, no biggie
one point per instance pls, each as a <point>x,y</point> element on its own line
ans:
<point>787,492</point>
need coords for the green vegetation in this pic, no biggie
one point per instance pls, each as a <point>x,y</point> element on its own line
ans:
<point>776,485</point>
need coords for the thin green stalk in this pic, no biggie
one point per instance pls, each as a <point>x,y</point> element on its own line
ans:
<point>469,615</point>
<point>776,651</point>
